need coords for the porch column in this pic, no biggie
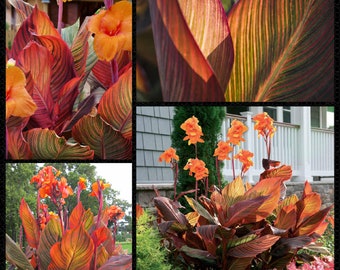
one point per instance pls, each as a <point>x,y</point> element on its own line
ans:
<point>304,145</point>
<point>249,143</point>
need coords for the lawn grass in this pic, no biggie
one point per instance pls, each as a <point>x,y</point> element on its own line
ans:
<point>126,246</point>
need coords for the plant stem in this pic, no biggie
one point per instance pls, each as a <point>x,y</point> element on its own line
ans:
<point>175,166</point>
<point>196,187</point>
<point>114,71</point>
<point>218,173</point>
<point>100,199</point>
<point>60,15</point>
<point>232,163</point>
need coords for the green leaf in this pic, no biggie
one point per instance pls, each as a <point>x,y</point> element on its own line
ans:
<point>240,240</point>
<point>15,255</point>
<point>115,106</point>
<point>284,50</point>
<point>102,138</point>
<point>50,235</point>
<point>45,144</point>
<point>69,33</point>
<point>194,62</point>
<point>30,225</point>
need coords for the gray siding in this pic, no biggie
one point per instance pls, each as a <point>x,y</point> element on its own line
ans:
<point>153,129</point>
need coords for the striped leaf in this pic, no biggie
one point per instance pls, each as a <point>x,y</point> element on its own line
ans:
<point>22,8</point>
<point>102,138</point>
<point>36,60</point>
<point>80,48</point>
<point>16,146</point>
<point>79,215</point>
<point>75,251</point>
<point>63,68</point>
<point>50,235</point>
<point>284,50</point>
<point>193,47</point>
<point>15,255</point>
<point>38,23</point>
<point>254,247</point>
<point>115,106</point>
<point>120,262</point>
<point>45,144</point>
<point>30,224</point>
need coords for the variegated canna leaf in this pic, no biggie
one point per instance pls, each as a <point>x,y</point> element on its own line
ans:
<point>193,47</point>
<point>284,50</point>
<point>102,138</point>
<point>30,225</point>
<point>253,247</point>
<point>45,143</point>
<point>115,107</point>
<point>15,255</point>
<point>50,235</point>
<point>75,250</point>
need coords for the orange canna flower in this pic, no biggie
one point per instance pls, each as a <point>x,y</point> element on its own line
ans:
<point>264,125</point>
<point>95,191</point>
<point>193,130</point>
<point>222,150</point>
<point>168,155</point>
<point>82,183</point>
<point>115,212</point>
<point>245,157</point>
<point>64,188</point>
<point>18,101</point>
<point>197,167</point>
<point>113,30</point>
<point>236,131</point>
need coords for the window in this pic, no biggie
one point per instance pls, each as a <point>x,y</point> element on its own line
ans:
<point>280,114</point>
<point>286,114</point>
<point>237,109</point>
<point>315,116</point>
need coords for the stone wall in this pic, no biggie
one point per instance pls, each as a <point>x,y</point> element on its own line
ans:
<point>324,188</point>
<point>145,193</point>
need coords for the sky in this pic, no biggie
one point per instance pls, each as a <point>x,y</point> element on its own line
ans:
<point>119,175</point>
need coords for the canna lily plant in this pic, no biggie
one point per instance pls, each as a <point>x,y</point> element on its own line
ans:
<point>62,240</point>
<point>69,92</point>
<point>235,51</point>
<point>239,226</point>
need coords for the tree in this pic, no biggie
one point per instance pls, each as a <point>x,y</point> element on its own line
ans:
<point>18,176</point>
<point>210,119</point>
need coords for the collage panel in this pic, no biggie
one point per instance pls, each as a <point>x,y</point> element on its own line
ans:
<point>68,80</point>
<point>68,99</point>
<point>226,187</point>
<point>68,215</point>
<point>235,51</point>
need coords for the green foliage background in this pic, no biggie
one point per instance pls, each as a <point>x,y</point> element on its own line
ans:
<point>210,119</point>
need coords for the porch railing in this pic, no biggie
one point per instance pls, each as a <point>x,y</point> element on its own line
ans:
<point>286,148</point>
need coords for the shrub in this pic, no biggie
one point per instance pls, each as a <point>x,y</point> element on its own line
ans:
<point>149,253</point>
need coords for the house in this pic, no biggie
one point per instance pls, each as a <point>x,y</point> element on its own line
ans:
<point>304,139</point>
